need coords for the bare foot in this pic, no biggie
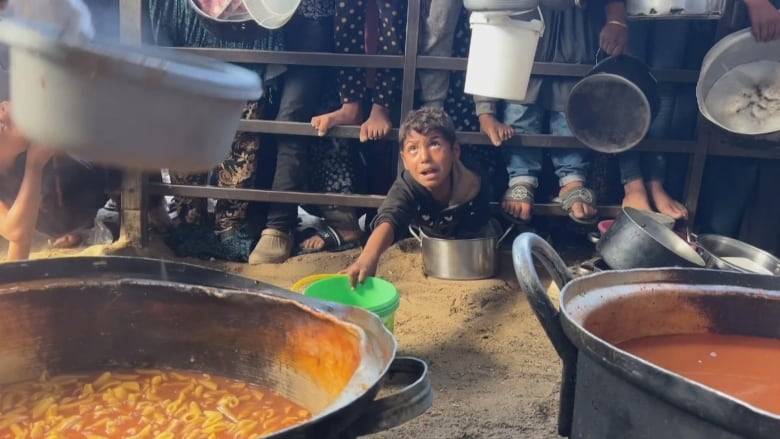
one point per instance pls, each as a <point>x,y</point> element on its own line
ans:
<point>636,195</point>
<point>348,114</point>
<point>316,243</point>
<point>518,209</point>
<point>70,240</point>
<point>666,204</point>
<point>497,131</point>
<point>378,124</point>
<point>580,210</point>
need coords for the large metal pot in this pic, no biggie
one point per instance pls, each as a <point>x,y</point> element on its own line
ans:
<point>83,314</point>
<point>720,251</point>
<point>610,110</point>
<point>459,259</point>
<point>730,52</point>
<point>609,393</point>
<point>638,240</point>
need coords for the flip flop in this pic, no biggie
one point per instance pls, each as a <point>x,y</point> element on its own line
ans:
<point>578,195</point>
<point>334,243</point>
<point>523,193</point>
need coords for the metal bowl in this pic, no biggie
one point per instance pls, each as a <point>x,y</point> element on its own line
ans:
<point>719,251</point>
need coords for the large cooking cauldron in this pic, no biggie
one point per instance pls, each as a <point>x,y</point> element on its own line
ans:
<point>609,393</point>
<point>88,314</point>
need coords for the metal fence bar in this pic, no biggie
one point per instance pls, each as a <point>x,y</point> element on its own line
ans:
<point>135,186</point>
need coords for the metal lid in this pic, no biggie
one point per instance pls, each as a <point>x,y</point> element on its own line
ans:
<point>166,68</point>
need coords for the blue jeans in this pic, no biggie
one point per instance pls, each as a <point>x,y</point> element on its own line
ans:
<point>524,164</point>
<point>663,51</point>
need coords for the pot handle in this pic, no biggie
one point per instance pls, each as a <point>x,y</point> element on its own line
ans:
<point>408,403</point>
<point>417,235</point>
<point>524,249</point>
<point>504,235</point>
<point>601,55</point>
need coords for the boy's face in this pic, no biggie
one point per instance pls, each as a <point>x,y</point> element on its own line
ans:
<point>429,158</point>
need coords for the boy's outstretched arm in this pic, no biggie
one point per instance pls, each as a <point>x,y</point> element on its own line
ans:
<point>764,19</point>
<point>380,240</point>
<point>17,222</point>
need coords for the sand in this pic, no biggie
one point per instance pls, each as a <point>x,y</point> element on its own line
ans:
<point>494,372</point>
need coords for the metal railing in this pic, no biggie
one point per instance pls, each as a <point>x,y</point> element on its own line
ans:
<point>135,187</point>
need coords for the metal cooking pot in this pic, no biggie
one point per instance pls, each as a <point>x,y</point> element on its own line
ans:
<point>459,259</point>
<point>83,314</point>
<point>714,248</point>
<point>610,110</point>
<point>638,240</point>
<point>243,29</point>
<point>730,52</point>
<point>609,393</point>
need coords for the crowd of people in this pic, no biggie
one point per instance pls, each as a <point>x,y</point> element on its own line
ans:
<point>445,188</point>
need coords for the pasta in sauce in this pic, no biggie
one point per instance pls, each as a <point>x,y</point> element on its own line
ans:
<point>157,404</point>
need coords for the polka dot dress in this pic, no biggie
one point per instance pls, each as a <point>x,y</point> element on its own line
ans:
<point>350,38</point>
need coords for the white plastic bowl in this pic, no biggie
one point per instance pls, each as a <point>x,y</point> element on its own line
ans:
<point>136,107</point>
<point>271,14</point>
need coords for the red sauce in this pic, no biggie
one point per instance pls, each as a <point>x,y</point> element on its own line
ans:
<point>743,367</point>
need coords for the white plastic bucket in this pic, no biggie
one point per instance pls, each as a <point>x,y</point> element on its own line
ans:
<point>501,54</point>
<point>271,14</point>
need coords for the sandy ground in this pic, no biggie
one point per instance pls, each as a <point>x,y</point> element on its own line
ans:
<point>494,372</point>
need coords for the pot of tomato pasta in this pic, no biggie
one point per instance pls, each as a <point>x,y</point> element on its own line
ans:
<point>119,347</point>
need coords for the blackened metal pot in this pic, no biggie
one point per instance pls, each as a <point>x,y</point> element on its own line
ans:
<point>638,240</point>
<point>83,314</point>
<point>609,393</point>
<point>610,110</point>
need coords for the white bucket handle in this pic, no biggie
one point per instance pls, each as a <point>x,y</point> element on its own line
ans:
<point>539,12</point>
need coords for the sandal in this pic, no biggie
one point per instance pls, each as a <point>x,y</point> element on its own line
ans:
<point>523,193</point>
<point>274,247</point>
<point>333,242</point>
<point>578,195</point>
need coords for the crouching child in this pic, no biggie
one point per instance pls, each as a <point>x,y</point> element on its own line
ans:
<point>436,192</point>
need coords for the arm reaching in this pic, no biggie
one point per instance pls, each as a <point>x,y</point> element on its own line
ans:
<point>17,223</point>
<point>613,38</point>
<point>380,240</point>
<point>764,19</point>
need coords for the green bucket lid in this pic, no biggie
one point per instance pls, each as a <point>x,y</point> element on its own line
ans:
<point>376,295</point>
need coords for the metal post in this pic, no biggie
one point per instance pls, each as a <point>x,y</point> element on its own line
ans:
<point>410,66</point>
<point>133,213</point>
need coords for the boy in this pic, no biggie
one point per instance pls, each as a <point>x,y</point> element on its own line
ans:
<point>435,191</point>
<point>55,195</point>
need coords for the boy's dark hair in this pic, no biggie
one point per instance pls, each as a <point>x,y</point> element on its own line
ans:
<point>426,120</point>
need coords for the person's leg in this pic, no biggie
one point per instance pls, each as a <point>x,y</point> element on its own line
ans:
<point>523,164</point>
<point>301,91</point>
<point>335,174</point>
<point>392,19</point>
<point>633,181</point>
<point>438,36</point>
<point>571,168</point>
<point>654,165</point>
<point>350,39</point>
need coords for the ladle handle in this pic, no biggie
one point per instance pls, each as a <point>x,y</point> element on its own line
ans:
<point>404,405</point>
<point>524,249</point>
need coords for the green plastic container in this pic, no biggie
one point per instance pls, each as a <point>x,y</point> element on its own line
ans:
<point>376,295</point>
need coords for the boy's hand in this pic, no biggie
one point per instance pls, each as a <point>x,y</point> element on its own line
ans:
<point>359,271</point>
<point>764,20</point>
<point>38,156</point>
<point>614,37</point>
